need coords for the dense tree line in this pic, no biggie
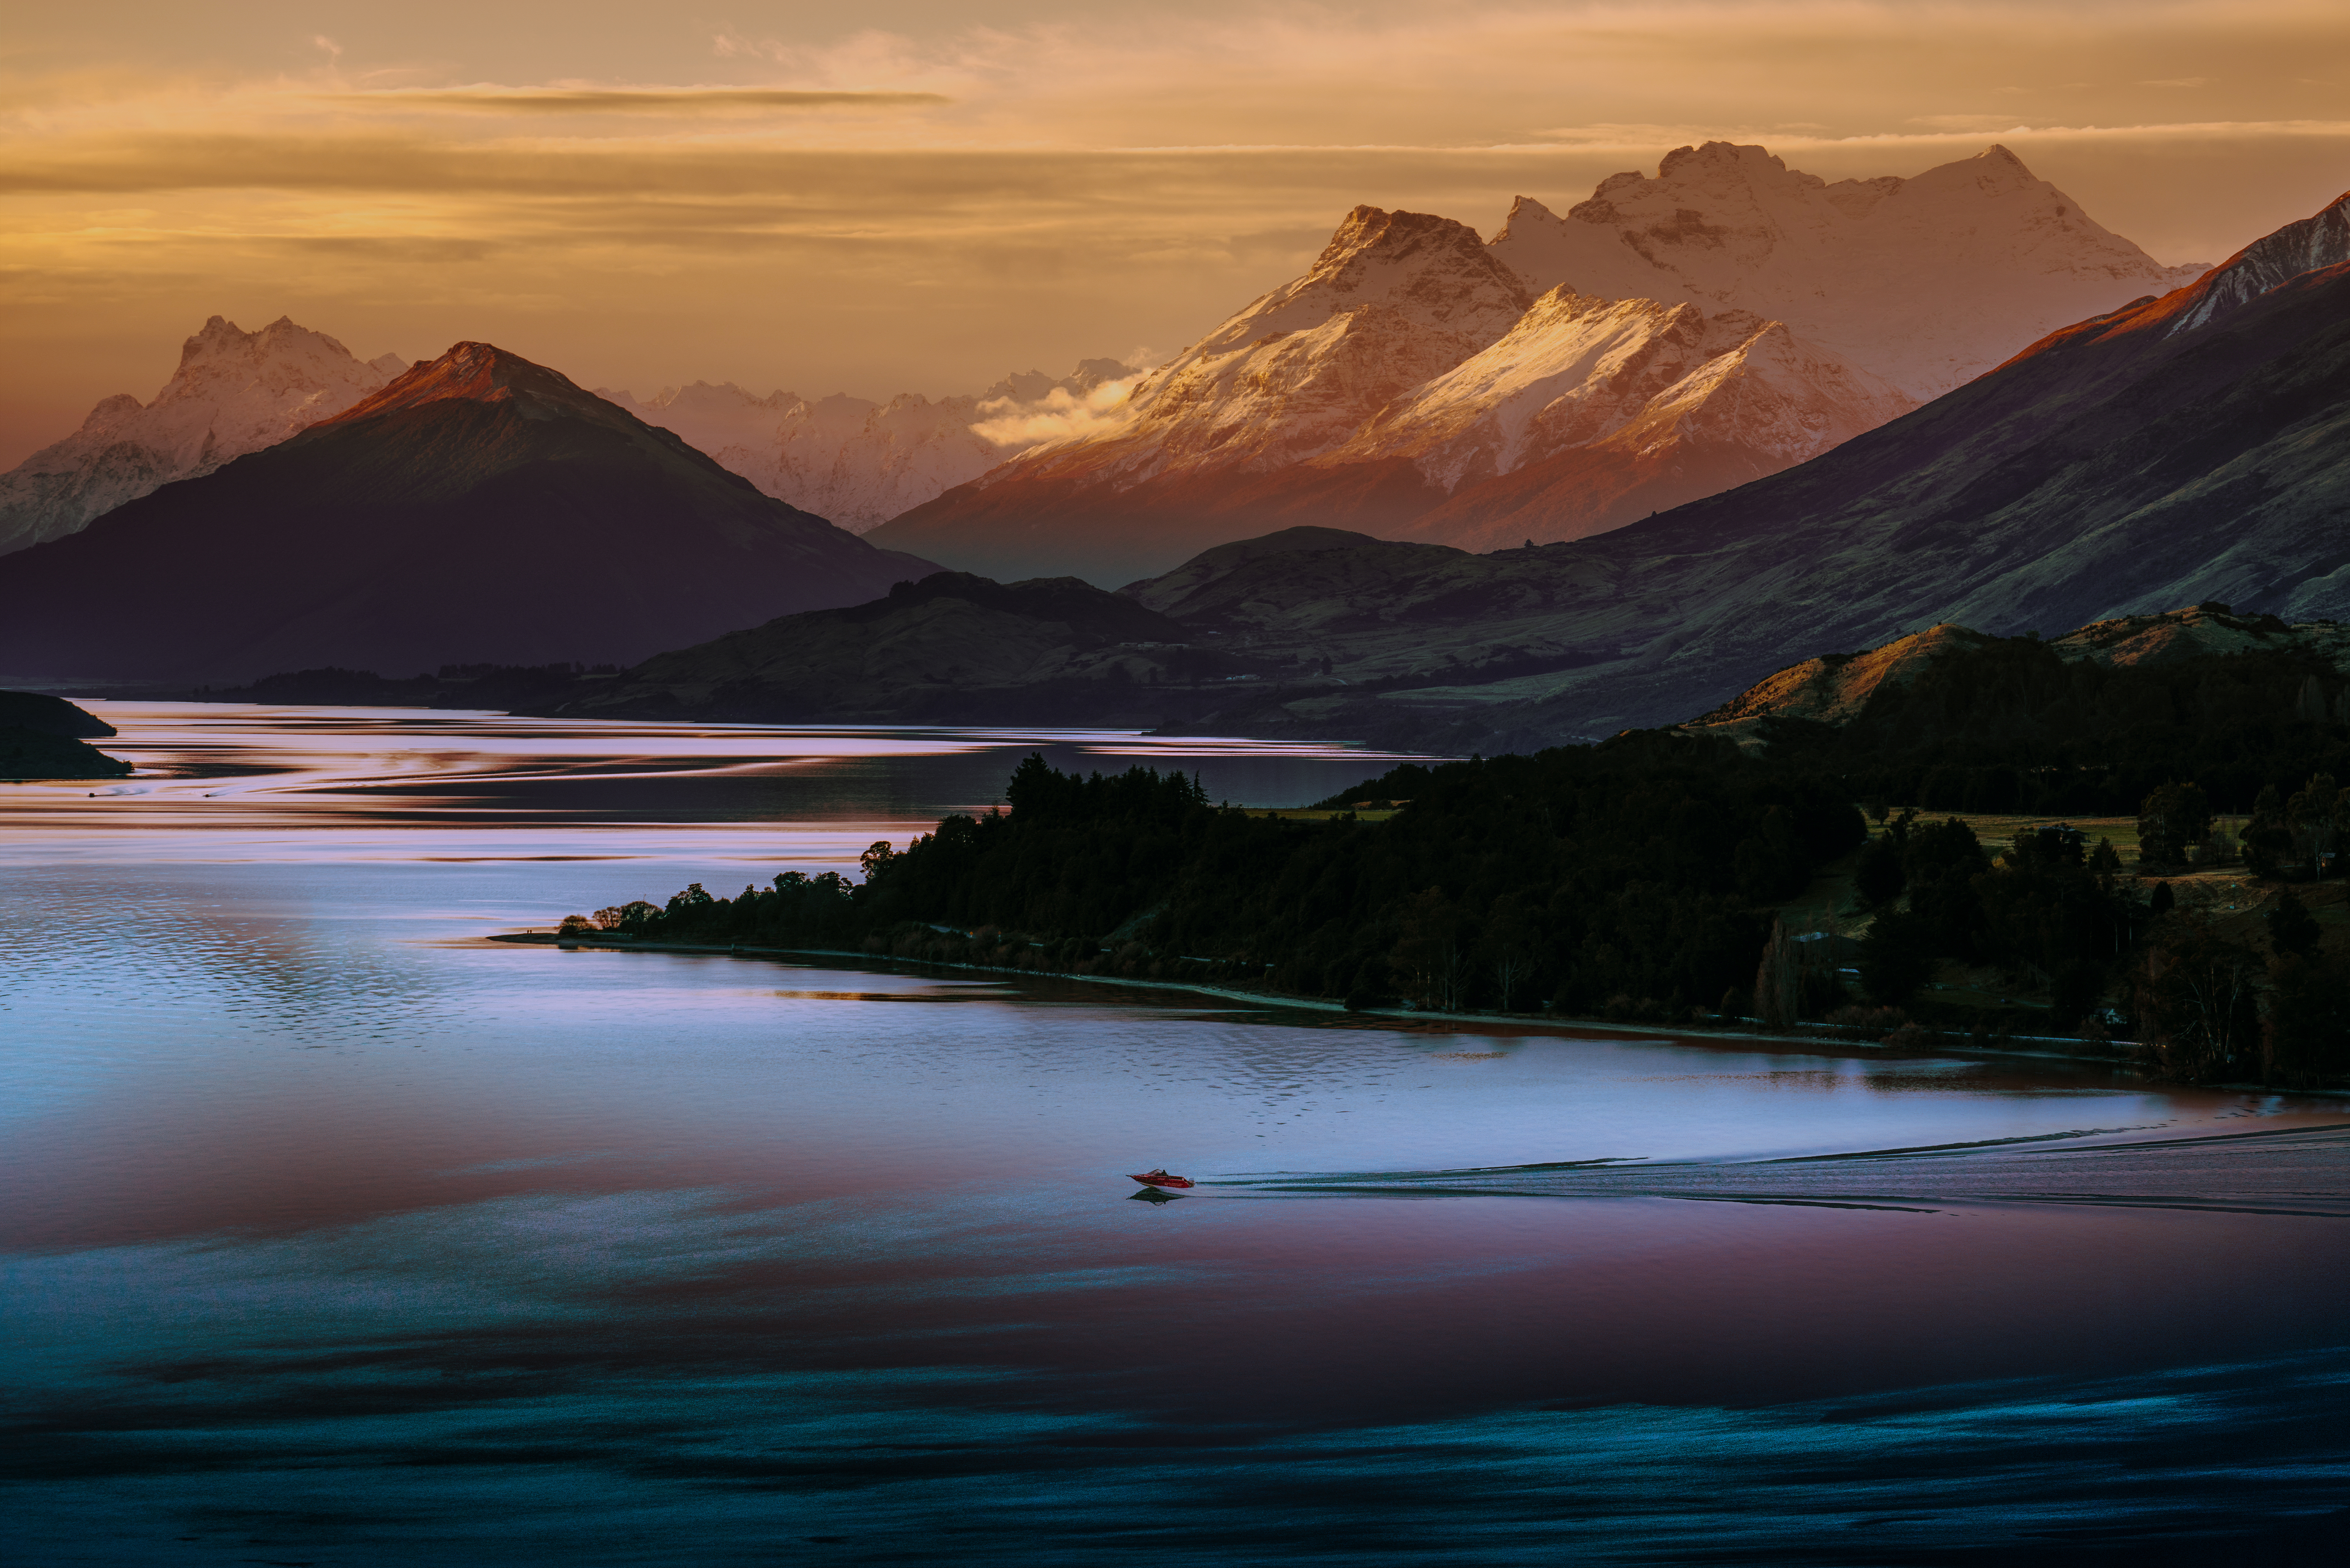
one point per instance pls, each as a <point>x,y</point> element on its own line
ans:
<point>1637,878</point>
<point>1639,875</point>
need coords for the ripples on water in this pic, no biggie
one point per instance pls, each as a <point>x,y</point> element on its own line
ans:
<point>335,1234</point>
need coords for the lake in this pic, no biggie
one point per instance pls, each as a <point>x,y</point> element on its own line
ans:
<point>335,1233</point>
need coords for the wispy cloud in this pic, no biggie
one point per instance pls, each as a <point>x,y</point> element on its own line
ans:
<point>628,101</point>
<point>924,207</point>
<point>1061,416</point>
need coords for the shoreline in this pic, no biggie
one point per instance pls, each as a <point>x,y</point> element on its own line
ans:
<point>1451,1021</point>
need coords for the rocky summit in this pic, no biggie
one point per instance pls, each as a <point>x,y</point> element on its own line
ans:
<point>233,393</point>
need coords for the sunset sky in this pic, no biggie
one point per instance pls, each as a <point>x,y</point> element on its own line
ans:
<point>913,195</point>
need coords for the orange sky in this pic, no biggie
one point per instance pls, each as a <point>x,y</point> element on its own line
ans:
<point>928,195</point>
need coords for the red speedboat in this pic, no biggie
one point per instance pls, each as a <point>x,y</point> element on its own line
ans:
<point>1161,1178</point>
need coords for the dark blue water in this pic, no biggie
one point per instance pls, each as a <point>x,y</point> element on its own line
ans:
<point>334,1234</point>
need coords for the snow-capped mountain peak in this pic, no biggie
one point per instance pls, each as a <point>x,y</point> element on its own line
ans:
<point>233,393</point>
<point>1926,281</point>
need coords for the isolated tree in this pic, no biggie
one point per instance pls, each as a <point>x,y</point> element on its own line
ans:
<point>2268,842</point>
<point>2293,929</point>
<point>1940,863</point>
<point>1877,876</point>
<point>2163,902</point>
<point>1509,947</point>
<point>1427,956</point>
<point>2195,1003</point>
<point>1770,864</point>
<point>2171,821</point>
<point>2315,816</point>
<point>1779,979</point>
<point>1896,957</point>
<point>2305,1036</point>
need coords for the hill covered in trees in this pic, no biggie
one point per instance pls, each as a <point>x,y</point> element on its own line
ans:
<point>1645,871</point>
<point>2085,726</point>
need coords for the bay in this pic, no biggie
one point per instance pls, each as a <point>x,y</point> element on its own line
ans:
<point>334,1232</point>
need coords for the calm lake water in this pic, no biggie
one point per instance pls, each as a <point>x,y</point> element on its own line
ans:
<point>335,1233</point>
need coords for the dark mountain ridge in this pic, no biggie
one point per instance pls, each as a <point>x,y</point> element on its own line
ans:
<point>950,649</point>
<point>479,508</point>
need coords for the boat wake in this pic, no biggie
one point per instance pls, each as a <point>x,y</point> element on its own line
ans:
<point>2302,1170</point>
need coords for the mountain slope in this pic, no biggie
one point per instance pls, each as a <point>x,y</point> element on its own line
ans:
<point>1840,688</point>
<point>233,393</point>
<point>1593,412</point>
<point>952,647</point>
<point>478,509</point>
<point>1394,299</point>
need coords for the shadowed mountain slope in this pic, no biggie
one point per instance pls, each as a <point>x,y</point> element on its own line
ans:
<point>2177,450</point>
<point>480,508</point>
<point>952,647</point>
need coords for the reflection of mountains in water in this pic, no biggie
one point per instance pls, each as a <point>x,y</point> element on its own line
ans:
<point>2302,1170</point>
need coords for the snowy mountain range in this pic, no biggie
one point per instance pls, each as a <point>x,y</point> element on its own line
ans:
<point>1927,282</point>
<point>233,393</point>
<point>1669,338</point>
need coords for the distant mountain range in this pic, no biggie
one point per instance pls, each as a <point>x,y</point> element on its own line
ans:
<point>856,462</point>
<point>234,392</point>
<point>851,460</point>
<point>479,508</point>
<point>1667,338</point>
<point>2185,448</point>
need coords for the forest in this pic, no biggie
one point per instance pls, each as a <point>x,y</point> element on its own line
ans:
<point>1637,880</point>
<point>1641,874</point>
